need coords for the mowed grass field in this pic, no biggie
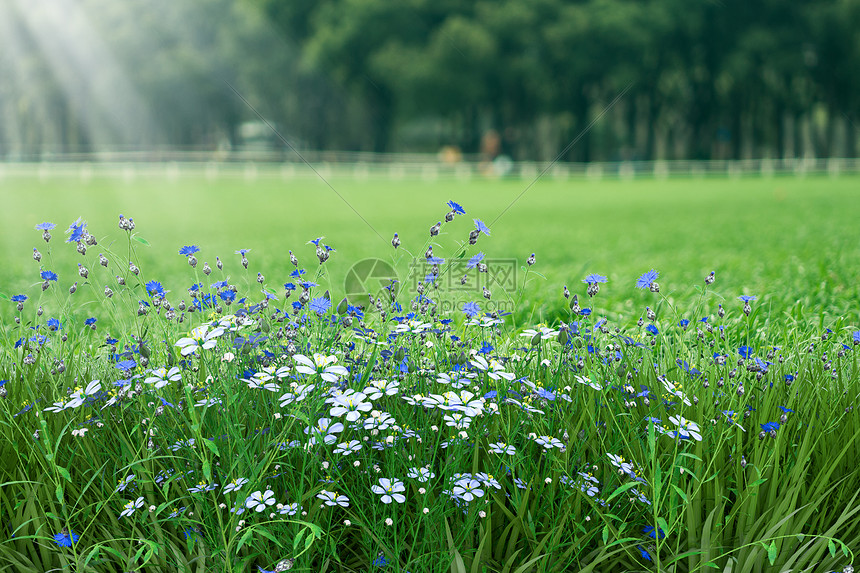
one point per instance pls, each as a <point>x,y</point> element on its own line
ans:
<point>783,239</point>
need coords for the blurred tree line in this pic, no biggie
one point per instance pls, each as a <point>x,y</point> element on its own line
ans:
<point>700,78</point>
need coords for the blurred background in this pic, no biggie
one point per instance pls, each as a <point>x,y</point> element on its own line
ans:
<point>633,80</point>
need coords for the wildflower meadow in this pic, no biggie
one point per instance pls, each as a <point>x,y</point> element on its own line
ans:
<point>442,409</point>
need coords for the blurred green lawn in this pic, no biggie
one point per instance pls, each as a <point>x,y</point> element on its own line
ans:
<point>784,239</point>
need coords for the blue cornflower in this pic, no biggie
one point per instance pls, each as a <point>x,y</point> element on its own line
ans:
<point>316,242</point>
<point>435,260</point>
<point>473,262</point>
<point>789,377</point>
<point>380,560</point>
<point>289,286</point>
<point>650,531</point>
<point>19,298</point>
<point>647,279</point>
<point>243,252</point>
<point>786,410</point>
<point>53,324</point>
<point>471,309</point>
<point>747,298</point>
<point>154,288</point>
<point>769,426</point>
<point>584,312</point>
<point>594,279</point>
<point>189,250</point>
<point>745,351</point>
<point>268,295</point>
<point>76,231</point>
<point>90,321</point>
<point>856,336</point>
<point>126,365</point>
<point>45,226</point>
<point>219,285</point>
<point>684,323</point>
<point>227,295</point>
<point>456,208</point>
<point>643,553</point>
<point>48,275</point>
<point>480,226</point>
<point>486,348</point>
<point>651,329</point>
<point>308,285</point>
<point>66,538</point>
<point>297,273</point>
<point>320,305</point>
<point>545,394</point>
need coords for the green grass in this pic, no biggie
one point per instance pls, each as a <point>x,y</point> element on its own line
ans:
<point>787,240</point>
<point>761,501</point>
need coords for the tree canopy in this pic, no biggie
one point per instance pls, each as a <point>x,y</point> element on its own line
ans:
<point>701,79</point>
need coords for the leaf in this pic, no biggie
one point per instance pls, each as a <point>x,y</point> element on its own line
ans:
<point>528,564</point>
<point>605,534</point>
<point>265,533</point>
<point>370,364</point>
<point>758,482</point>
<point>65,473</point>
<point>457,565</point>
<point>59,493</point>
<point>298,539</point>
<point>771,552</point>
<point>680,492</point>
<point>4,296</point>
<point>621,489</point>
<point>476,562</point>
<point>213,447</point>
<point>712,564</point>
<point>207,470</point>
<point>832,548</point>
<point>141,240</point>
<point>244,539</point>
